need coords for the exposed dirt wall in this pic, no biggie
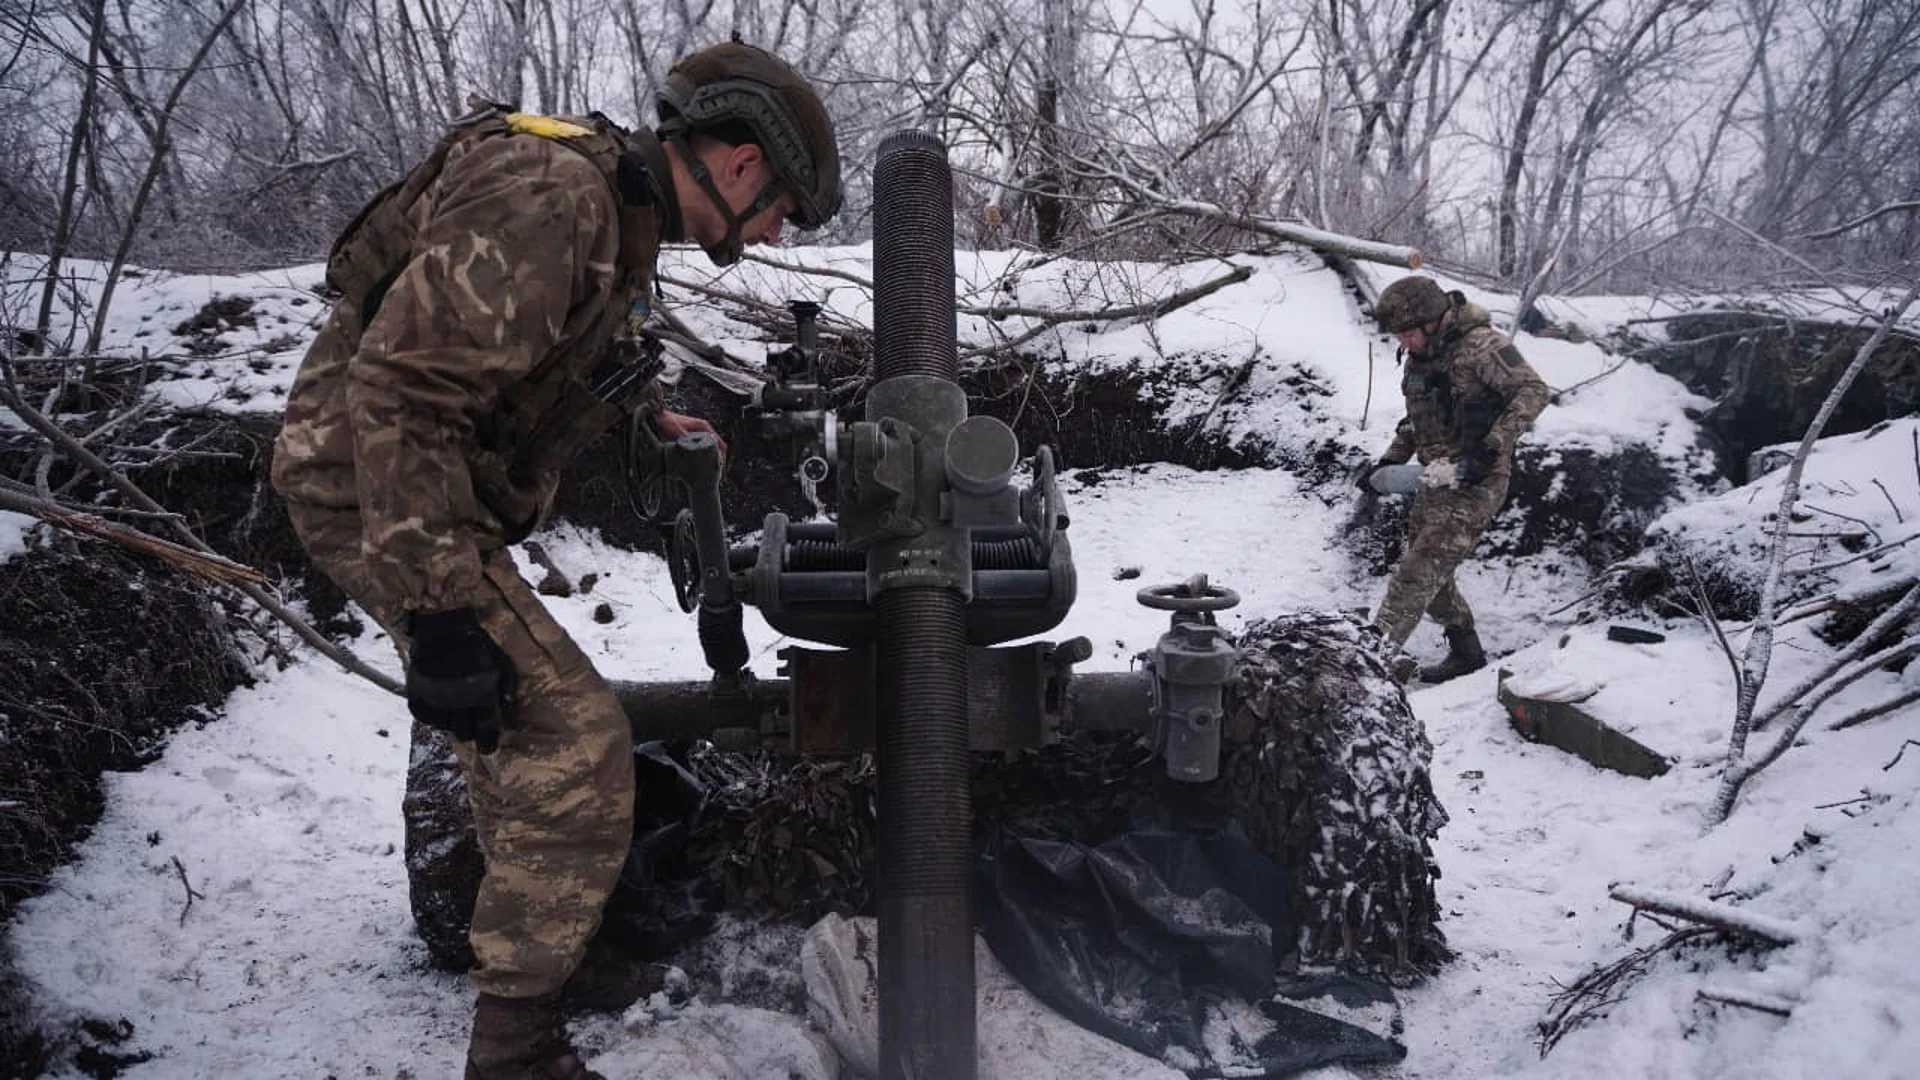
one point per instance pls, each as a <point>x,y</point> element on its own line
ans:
<point>1768,376</point>
<point>102,654</point>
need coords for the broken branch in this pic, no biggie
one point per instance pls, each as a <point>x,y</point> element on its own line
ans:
<point>1152,309</point>
<point>1892,704</point>
<point>1890,208</point>
<point>1722,916</point>
<point>1592,993</point>
<point>1897,515</point>
<point>1899,754</point>
<point>1747,999</point>
<point>192,893</point>
<point>208,567</point>
<point>59,436</point>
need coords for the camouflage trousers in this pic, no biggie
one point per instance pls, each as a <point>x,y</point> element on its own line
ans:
<point>1444,525</point>
<point>553,805</point>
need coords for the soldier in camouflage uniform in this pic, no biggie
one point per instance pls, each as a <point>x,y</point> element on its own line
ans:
<point>489,308</point>
<point>1470,396</point>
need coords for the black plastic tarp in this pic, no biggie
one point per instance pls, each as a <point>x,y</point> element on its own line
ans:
<point>1162,940</point>
<point>653,908</point>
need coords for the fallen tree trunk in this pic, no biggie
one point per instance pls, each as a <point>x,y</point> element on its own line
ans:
<point>1337,243</point>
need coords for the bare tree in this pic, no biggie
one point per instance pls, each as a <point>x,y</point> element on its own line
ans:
<point>1838,102</point>
<point>1628,53</point>
<point>156,162</point>
<point>70,192</point>
<point>1399,80</point>
<point>1612,126</point>
<point>1558,23</point>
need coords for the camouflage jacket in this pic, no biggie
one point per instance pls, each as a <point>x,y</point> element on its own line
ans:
<point>1470,398</point>
<point>442,396</point>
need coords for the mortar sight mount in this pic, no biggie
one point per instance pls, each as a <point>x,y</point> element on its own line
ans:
<point>916,480</point>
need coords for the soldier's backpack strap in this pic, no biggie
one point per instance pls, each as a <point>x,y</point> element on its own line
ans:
<point>372,250</point>
<point>628,370</point>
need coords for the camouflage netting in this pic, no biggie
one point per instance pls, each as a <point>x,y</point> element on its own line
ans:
<point>1327,767</point>
<point>780,838</point>
<point>443,856</point>
<point>1324,765</point>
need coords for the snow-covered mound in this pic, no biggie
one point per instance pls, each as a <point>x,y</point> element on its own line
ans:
<point>1851,534</point>
<point>1278,361</point>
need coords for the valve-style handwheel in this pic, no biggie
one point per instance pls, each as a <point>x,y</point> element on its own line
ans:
<point>1043,502</point>
<point>683,561</point>
<point>1193,595</point>
<point>655,495</point>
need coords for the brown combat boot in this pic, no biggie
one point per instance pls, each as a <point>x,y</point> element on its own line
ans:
<point>1464,654</point>
<point>522,1039</point>
<point>609,980</point>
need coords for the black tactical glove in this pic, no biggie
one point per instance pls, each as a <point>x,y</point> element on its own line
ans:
<point>458,680</point>
<point>1477,463</point>
<point>1363,480</point>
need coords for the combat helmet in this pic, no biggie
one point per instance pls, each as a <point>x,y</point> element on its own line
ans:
<point>732,86</point>
<point>1411,303</point>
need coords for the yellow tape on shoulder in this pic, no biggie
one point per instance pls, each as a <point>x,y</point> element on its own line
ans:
<point>544,126</point>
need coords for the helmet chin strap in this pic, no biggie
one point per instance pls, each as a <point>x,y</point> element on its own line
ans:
<point>729,249</point>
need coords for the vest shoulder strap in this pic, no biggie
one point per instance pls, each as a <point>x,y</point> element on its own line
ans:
<point>375,246</point>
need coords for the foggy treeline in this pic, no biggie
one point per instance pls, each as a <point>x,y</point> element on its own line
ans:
<point>1578,145</point>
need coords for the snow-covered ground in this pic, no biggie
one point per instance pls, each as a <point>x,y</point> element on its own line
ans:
<point>243,902</point>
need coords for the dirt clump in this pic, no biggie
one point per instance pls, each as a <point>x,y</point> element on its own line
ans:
<point>203,329</point>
